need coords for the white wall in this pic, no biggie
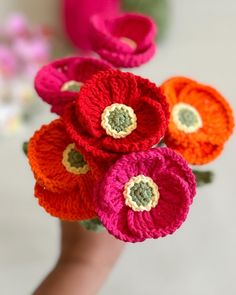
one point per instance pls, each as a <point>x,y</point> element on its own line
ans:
<point>47,11</point>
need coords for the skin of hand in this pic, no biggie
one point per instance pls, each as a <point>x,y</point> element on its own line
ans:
<point>85,261</point>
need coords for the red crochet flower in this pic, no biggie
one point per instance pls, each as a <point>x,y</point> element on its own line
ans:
<point>59,82</point>
<point>116,113</point>
<point>64,179</point>
<point>145,195</point>
<point>126,40</point>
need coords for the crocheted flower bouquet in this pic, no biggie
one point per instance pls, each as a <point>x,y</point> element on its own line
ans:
<point>119,153</point>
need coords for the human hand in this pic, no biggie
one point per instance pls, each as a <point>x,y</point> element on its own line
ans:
<point>86,259</point>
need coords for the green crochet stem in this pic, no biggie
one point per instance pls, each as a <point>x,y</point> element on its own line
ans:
<point>203,177</point>
<point>92,225</point>
<point>25,147</point>
<point>159,10</point>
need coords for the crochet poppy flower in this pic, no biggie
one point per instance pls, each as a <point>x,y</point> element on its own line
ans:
<point>126,40</point>
<point>145,195</point>
<point>64,179</point>
<point>116,113</point>
<point>82,10</point>
<point>59,82</point>
<point>201,120</point>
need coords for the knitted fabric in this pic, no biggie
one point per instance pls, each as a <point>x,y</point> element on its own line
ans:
<point>51,79</point>
<point>76,16</point>
<point>176,185</point>
<point>206,142</point>
<point>126,40</point>
<point>71,206</point>
<point>84,121</point>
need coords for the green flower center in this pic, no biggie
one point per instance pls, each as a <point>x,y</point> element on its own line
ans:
<point>119,119</point>
<point>187,117</point>
<point>73,161</point>
<point>76,159</point>
<point>141,193</point>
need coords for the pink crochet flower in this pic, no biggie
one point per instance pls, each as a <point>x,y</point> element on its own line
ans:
<point>59,82</point>
<point>76,16</point>
<point>126,40</point>
<point>145,195</point>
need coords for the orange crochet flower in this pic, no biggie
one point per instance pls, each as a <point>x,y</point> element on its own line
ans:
<point>201,120</point>
<point>64,180</point>
<point>66,206</point>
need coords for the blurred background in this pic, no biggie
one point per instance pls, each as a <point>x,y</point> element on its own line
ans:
<point>197,39</point>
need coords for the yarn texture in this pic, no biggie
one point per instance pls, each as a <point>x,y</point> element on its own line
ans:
<point>176,185</point>
<point>205,124</point>
<point>117,157</point>
<point>126,40</point>
<point>58,189</point>
<point>73,205</point>
<point>59,82</point>
<point>77,14</point>
<point>147,117</point>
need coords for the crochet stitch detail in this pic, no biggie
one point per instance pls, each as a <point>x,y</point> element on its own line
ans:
<point>73,161</point>
<point>118,120</point>
<point>141,193</point>
<point>215,120</point>
<point>126,40</point>
<point>83,119</point>
<point>71,206</point>
<point>59,82</point>
<point>186,118</point>
<point>176,186</point>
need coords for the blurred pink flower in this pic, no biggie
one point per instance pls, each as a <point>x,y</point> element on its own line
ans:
<point>32,50</point>
<point>8,63</point>
<point>16,25</point>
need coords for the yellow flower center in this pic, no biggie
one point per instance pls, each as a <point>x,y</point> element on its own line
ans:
<point>118,120</point>
<point>186,118</point>
<point>73,161</point>
<point>141,193</point>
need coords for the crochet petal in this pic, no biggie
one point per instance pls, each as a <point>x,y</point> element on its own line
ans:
<point>45,153</point>
<point>215,112</point>
<point>116,40</point>
<point>103,90</point>
<point>170,212</point>
<point>196,153</point>
<point>151,126</point>
<point>51,78</point>
<point>175,193</point>
<point>204,143</point>
<point>72,205</point>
